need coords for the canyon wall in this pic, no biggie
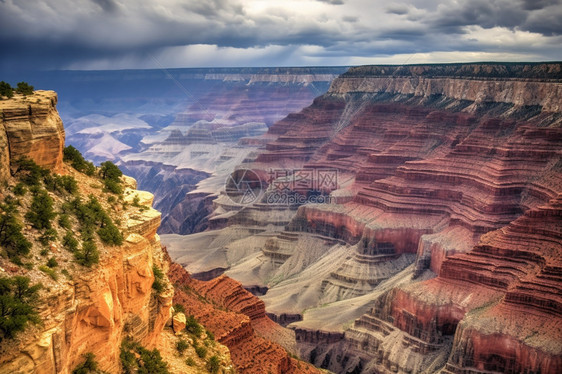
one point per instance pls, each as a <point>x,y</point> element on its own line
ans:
<point>85,309</point>
<point>31,127</point>
<point>411,263</point>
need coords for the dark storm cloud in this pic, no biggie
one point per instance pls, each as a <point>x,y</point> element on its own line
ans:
<point>539,16</point>
<point>63,33</point>
<point>107,5</point>
<point>485,13</point>
<point>539,4</point>
<point>214,8</point>
<point>333,2</point>
<point>547,21</point>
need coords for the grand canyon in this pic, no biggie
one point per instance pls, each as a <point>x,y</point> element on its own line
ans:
<point>402,219</point>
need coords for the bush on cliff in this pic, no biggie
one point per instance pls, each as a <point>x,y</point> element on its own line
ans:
<point>92,215</point>
<point>88,255</point>
<point>88,366</point>
<point>29,172</point>
<point>77,161</point>
<point>24,88</point>
<point>137,359</point>
<point>182,345</point>
<point>192,326</point>
<point>12,239</point>
<point>111,176</point>
<point>6,90</point>
<point>17,305</point>
<point>158,284</point>
<point>41,211</point>
<point>214,364</point>
<point>61,183</point>
<point>69,242</point>
<point>110,234</point>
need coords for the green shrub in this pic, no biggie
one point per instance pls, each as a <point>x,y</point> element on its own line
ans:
<point>178,308</point>
<point>192,326</point>
<point>29,172</point>
<point>110,234</point>
<point>182,345</point>
<point>61,183</point>
<point>91,215</point>
<point>67,207</point>
<point>52,263</point>
<point>69,241</point>
<point>214,363</point>
<point>201,351</point>
<point>190,362</point>
<point>210,335</point>
<point>113,186</point>
<point>41,211</point>
<point>47,236</point>
<point>19,189</point>
<point>152,362</point>
<point>88,255</point>
<point>24,88</point>
<point>50,272</point>
<point>158,284</point>
<point>137,359</point>
<point>17,303</point>
<point>64,221</point>
<point>77,161</point>
<point>136,203</point>
<point>111,176</point>
<point>6,90</point>
<point>128,358</point>
<point>88,366</point>
<point>108,170</point>
<point>11,237</point>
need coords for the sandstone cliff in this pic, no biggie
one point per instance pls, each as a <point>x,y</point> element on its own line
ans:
<point>87,309</point>
<point>31,126</point>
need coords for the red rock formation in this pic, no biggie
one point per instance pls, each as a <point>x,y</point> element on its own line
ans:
<point>238,323</point>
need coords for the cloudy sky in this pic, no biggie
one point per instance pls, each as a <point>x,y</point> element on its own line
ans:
<point>118,34</point>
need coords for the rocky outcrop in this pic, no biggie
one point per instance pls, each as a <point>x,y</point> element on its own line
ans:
<point>182,212</point>
<point>94,310</point>
<point>237,319</point>
<point>31,127</point>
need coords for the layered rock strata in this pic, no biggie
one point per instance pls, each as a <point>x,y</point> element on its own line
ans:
<point>31,127</point>
<point>438,166</point>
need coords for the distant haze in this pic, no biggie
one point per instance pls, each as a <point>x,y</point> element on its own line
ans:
<point>129,34</point>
